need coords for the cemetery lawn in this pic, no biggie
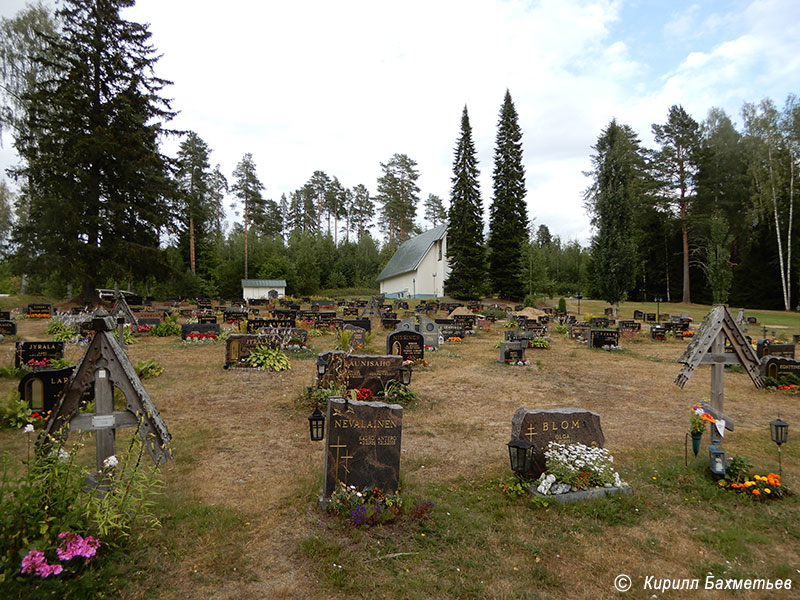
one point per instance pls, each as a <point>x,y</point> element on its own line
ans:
<point>240,517</point>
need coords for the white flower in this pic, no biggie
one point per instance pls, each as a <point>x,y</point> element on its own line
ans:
<point>28,428</point>
<point>699,412</point>
<point>110,462</point>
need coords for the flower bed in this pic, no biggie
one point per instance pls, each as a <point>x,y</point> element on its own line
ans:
<point>517,363</point>
<point>201,337</point>
<point>576,467</point>
<point>761,487</point>
<point>38,316</point>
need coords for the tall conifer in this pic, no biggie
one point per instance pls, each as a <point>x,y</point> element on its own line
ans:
<point>508,215</point>
<point>465,229</point>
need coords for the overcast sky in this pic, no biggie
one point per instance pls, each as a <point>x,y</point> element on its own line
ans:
<point>342,86</point>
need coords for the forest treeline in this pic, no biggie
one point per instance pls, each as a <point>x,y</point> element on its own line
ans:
<point>707,214</point>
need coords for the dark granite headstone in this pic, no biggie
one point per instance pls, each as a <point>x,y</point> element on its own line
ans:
<point>8,328</point>
<point>134,299</point>
<point>350,311</point>
<point>363,445</point>
<point>42,388</point>
<point>599,323</point>
<point>766,347</point>
<point>40,308</point>
<point>752,321</point>
<point>233,315</point>
<point>365,324</point>
<point>390,323</point>
<point>359,337</point>
<point>254,325</point>
<point>212,328</point>
<point>359,371</point>
<point>148,320</point>
<point>26,351</point>
<point>451,331</point>
<point>203,319</point>
<point>561,425</point>
<point>579,331</point>
<point>408,344</point>
<point>5,315</point>
<point>239,346</point>
<point>639,315</point>
<point>777,367</point>
<point>512,352</point>
<point>650,317</point>
<point>603,337</point>
<point>631,326</point>
<point>150,314</point>
<point>467,322</point>
<point>658,333</point>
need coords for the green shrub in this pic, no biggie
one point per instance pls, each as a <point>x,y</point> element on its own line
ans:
<point>146,369</point>
<point>343,338</point>
<point>14,411</point>
<point>60,331</point>
<point>737,469</point>
<point>562,305</point>
<point>165,329</point>
<point>495,313</point>
<point>396,393</point>
<point>11,372</point>
<point>268,357</point>
<point>770,382</point>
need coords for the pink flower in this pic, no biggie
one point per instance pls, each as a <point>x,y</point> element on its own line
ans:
<point>35,562</point>
<point>77,546</point>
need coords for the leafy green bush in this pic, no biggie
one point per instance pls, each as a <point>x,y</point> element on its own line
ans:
<point>396,393</point>
<point>539,342</point>
<point>268,357</point>
<point>495,313</point>
<point>343,338</point>
<point>770,382</point>
<point>14,411</point>
<point>60,331</point>
<point>146,369</point>
<point>737,469</point>
<point>165,329</point>
<point>11,372</point>
<point>562,305</point>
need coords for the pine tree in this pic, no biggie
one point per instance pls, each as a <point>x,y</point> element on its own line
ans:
<point>676,168</point>
<point>247,188</point>
<point>617,170</point>
<point>362,211</point>
<point>465,225</point>
<point>95,182</point>
<point>508,215</point>
<point>399,194</point>
<point>435,212</point>
<point>194,193</point>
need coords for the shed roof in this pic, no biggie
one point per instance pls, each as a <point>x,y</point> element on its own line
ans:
<point>411,252</point>
<point>273,283</point>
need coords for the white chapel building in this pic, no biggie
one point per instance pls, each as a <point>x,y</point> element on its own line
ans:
<point>418,268</point>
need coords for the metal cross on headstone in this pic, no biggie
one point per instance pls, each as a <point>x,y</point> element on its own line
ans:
<point>708,348</point>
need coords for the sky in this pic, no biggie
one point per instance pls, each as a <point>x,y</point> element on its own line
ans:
<point>342,86</point>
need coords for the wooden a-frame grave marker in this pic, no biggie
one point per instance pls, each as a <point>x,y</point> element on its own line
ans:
<point>106,364</point>
<point>708,348</point>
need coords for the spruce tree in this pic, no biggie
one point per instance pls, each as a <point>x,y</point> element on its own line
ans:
<point>465,228</point>
<point>95,181</point>
<point>399,194</point>
<point>617,167</point>
<point>508,215</point>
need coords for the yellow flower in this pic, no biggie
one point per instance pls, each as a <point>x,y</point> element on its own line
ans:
<point>767,490</point>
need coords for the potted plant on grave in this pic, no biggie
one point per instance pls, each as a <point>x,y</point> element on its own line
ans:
<point>697,425</point>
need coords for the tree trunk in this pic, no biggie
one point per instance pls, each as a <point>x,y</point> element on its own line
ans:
<point>245,239</point>
<point>191,245</point>
<point>687,298</point>
<point>784,286</point>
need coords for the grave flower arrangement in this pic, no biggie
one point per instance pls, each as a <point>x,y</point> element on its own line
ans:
<point>454,339</point>
<point>361,394</point>
<point>519,363</point>
<point>573,467</point>
<point>698,419</point>
<point>429,348</point>
<point>365,507</point>
<point>761,487</point>
<point>38,316</point>
<point>201,337</point>
<point>35,365</point>
<point>144,328</point>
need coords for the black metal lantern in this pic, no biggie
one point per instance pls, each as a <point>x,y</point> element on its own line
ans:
<point>779,431</point>
<point>322,365</point>
<point>405,376</point>
<point>579,297</point>
<point>716,459</point>
<point>520,456</point>
<point>658,309</point>
<point>316,425</point>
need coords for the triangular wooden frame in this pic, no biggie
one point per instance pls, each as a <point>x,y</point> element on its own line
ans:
<point>719,320</point>
<point>121,308</point>
<point>104,351</point>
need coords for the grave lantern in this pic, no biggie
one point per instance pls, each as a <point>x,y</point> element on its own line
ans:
<point>658,309</point>
<point>405,376</point>
<point>520,456</point>
<point>716,459</point>
<point>316,424</point>
<point>322,365</point>
<point>779,431</point>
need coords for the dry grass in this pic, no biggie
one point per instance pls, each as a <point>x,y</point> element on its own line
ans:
<point>246,476</point>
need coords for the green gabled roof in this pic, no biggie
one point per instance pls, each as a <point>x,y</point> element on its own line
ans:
<point>263,283</point>
<point>411,252</point>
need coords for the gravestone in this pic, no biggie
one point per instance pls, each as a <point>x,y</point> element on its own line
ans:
<point>365,324</point>
<point>778,366</point>
<point>359,337</point>
<point>40,308</point>
<point>26,351</point>
<point>579,331</point>
<point>187,313</point>
<point>603,337</point>
<point>512,335</point>
<point>406,343</point>
<point>752,321</point>
<point>451,331</point>
<point>148,321</point>
<point>239,346</point>
<point>650,317</point>
<point>255,325</point>
<point>638,315</point>
<point>234,315</point>
<point>359,371</point>
<point>512,352</point>
<point>150,314</point>
<point>658,333</point>
<point>561,425</point>
<point>630,326</point>
<point>467,322</point>
<point>766,347</point>
<point>350,311</point>
<point>390,323</point>
<point>205,319</point>
<point>5,315</point>
<point>363,445</point>
<point>41,389</point>
<point>429,328</point>
<point>8,328</point>
<point>599,322</point>
<point>134,299</point>
<point>201,328</point>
